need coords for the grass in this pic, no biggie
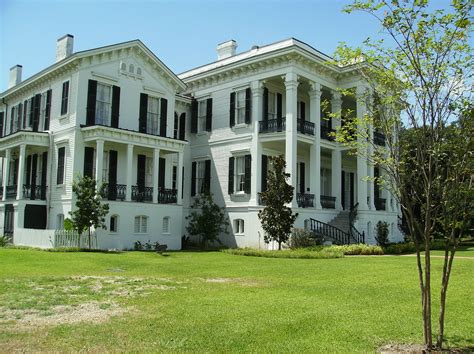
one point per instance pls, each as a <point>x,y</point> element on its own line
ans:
<point>217,302</point>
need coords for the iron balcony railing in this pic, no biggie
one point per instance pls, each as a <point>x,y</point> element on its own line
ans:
<point>34,192</point>
<point>305,200</point>
<point>142,194</point>
<point>167,196</point>
<point>11,191</point>
<point>305,127</point>
<point>114,191</point>
<point>327,133</point>
<point>328,202</point>
<point>272,125</point>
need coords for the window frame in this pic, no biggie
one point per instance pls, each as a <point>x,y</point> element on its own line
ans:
<point>142,224</point>
<point>166,230</point>
<point>239,186</point>
<point>65,98</point>
<point>240,109</point>
<point>200,180</point>
<point>151,116</point>
<point>61,169</point>
<point>202,117</point>
<point>239,226</point>
<point>99,120</point>
<point>115,229</point>
<point>272,108</point>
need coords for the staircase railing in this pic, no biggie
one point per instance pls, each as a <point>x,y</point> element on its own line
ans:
<point>353,232</point>
<point>339,236</point>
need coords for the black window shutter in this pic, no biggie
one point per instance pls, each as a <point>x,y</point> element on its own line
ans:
<point>232,110</point>
<point>209,115</point>
<point>115,107</point>
<point>248,106</point>
<point>44,174</point>
<point>279,98</point>
<point>2,117</point>
<point>34,170</point>
<point>88,161</point>
<point>303,111</point>
<point>193,178</point>
<point>194,116</point>
<point>248,169</point>
<point>230,187</point>
<point>264,172</point>
<point>47,111</point>
<point>161,172</point>
<point>65,97</point>
<point>31,103</point>
<point>36,111</point>
<point>143,112</point>
<point>91,102</point>
<point>141,170</point>
<point>182,183</point>
<point>12,119</point>
<point>28,171</point>
<point>265,104</point>
<point>15,171</point>
<point>25,106</point>
<point>302,178</point>
<point>60,172</point>
<point>343,190</point>
<point>176,126</point>
<point>163,116</point>
<point>113,167</point>
<point>207,177</point>
<point>182,126</point>
<point>19,114</point>
<point>351,181</point>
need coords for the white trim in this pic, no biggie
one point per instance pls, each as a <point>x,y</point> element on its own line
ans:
<point>105,77</point>
<point>155,91</point>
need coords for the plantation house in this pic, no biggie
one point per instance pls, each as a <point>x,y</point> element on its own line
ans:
<point>156,139</point>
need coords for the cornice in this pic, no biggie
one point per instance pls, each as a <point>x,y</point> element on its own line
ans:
<point>24,137</point>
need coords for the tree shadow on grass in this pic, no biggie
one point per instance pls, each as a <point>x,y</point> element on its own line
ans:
<point>459,344</point>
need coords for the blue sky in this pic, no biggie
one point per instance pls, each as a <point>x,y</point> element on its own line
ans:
<point>183,34</point>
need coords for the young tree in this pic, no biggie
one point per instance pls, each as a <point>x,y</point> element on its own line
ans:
<point>276,217</point>
<point>207,219</point>
<point>89,211</point>
<point>420,80</point>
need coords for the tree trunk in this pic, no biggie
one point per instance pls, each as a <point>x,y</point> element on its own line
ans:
<point>427,312</point>
<point>279,246</point>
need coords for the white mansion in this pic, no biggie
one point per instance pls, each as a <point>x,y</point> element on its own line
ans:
<point>156,139</point>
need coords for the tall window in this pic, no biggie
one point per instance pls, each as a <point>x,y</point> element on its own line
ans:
<point>166,225</point>
<point>153,115</point>
<point>149,171</point>
<point>176,126</point>
<point>272,112</point>
<point>326,181</point>
<point>240,106</point>
<point>240,173</point>
<point>200,175</point>
<point>141,222</point>
<point>113,223</point>
<point>239,226</point>
<point>65,98</point>
<point>105,167</point>
<point>174,183</point>
<point>202,113</point>
<point>61,165</point>
<point>103,106</point>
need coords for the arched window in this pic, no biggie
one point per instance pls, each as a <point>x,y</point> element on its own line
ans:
<point>123,67</point>
<point>113,226</point>
<point>139,71</point>
<point>131,68</point>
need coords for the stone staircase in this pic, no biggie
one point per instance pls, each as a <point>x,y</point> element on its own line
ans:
<point>341,221</point>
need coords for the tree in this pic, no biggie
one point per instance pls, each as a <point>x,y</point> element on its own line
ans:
<point>207,219</point>
<point>89,211</point>
<point>276,217</point>
<point>421,80</point>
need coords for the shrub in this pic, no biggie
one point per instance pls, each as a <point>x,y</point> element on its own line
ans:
<point>302,238</point>
<point>358,249</point>
<point>301,253</point>
<point>381,232</point>
<point>4,241</point>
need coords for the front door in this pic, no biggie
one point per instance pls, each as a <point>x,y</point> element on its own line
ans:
<point>347,192</point>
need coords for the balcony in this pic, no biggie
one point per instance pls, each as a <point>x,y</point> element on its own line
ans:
<point>305,200</point>
<point>11,191</point>
<point>34,192</point>
<point>379,139</point>
<point>272,125</point>
<point>142,194</point>
<point>305,127</point>
<point>327,133</point>
<point>167,196</point>
<point>115,191</point>
<point>328,202</point>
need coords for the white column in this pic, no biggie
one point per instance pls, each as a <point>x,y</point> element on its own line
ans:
<point>315,149</point>
<point>156,165</point>
<point>361,156</point>
<point>256,148</point>
<point>21,172</point>
<point>6,172</point>
<point>179,176</point>
<point>99,161</point>
<point>291,84</point>
<point>336,107</point>
<point>336,175</point>
<point>129,172</point>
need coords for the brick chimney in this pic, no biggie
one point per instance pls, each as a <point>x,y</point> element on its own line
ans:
<point>64,47</point>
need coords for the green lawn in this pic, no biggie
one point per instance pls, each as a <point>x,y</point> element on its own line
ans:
<point>219,302</point>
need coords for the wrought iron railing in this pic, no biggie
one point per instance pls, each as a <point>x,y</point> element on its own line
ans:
<point>327,133</point>
<point>305,200</point>
<point>380,203</point>
<point>379,139</point>
<point>34,192</point>
<point>11,191</point>
<point>113,191</point>
<point>142,194</point>
<point>167,196</point>
<point>328,202</point>
<point>356,235</point>
<point>337,235</point>
<point>272,125</point>
<point>305,127</point>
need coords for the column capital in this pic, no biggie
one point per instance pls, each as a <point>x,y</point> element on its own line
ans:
<point>336,96</point>
<point>257,87</point>
<point>290,79</point>
<point>315,89</point>
<point>361,92</point>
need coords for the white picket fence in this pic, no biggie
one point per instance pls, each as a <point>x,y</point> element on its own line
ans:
<point>70,238</point>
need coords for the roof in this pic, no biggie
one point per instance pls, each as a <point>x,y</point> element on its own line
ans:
<point>86,53</point>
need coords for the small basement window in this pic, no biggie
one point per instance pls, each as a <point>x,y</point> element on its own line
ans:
<point>239,226</point>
